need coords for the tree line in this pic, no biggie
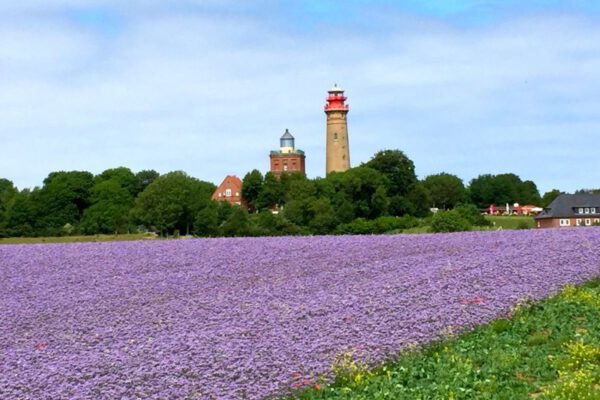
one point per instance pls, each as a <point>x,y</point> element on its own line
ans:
<point>378,196</point>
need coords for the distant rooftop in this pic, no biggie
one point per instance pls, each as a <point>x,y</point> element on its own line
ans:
<point>565,204</point>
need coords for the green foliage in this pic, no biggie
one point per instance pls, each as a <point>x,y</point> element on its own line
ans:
<point>122,176</point>
<point>501,189</point>
<point>172,201</point>
<point>361,226</point>
<point>418,200</point>
<point>111,206</point>
<point>362,188</point>
<point>548,350</point>
<point>510,222</point>
<point>523,225</point>
<point>449,221</point>
<point>7,194</point>
<point>322,219</point>
<point>398,168</point>
<point>62,200</point>
<point>472,214</point>
<point>207,221</point>
<point>363,200</point>
<point>252,186</point>
<point>143,179</point>
<point>549,197</point>
<point>446,190</point>
<point>271,193</point>
<point>268,224</point>
<point>237,224</point>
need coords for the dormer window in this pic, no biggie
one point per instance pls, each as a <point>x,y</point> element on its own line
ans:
<point>593,210</point>
<point>587,210</point>
<point>580,210</point>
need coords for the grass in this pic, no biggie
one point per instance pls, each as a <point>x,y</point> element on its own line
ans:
<point>503,222</point>
<point>73,239</point>
<point>511,222</point>
<point>548,350</point>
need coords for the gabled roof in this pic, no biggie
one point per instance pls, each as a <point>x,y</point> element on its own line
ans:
<point>563,206</point>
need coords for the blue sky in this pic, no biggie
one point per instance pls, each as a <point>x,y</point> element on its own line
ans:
<point>208,86</point>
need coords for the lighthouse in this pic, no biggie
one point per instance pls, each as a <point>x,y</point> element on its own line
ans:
<point>288,158</point>
<point>337,148</point>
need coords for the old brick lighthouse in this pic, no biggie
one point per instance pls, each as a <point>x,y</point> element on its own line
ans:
<point>337,148</point>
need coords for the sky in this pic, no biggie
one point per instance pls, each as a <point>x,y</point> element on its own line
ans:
<point>466,87</point>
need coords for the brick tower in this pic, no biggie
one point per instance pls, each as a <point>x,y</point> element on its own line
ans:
<point>288,159</point>
<point>338,151</point>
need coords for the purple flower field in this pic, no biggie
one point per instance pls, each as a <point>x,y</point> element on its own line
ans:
<point>250,318</point>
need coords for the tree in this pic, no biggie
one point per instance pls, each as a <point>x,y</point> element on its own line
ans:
<point>501,189</point>
<point>110,209</point>
<point>207,221</point>
<point>399,169</point>
<point>238,223</point>
<point>7,194</point>
<point>322,217</point>
<point>22,216</point>
<point>418,200</point>
<point>363,187</point>
<point>299,211</point>
<point>251,188</point>
<point>529,193</point>
<point>62,200</point>
<point>481,191</point>
<point>121,176</point>
<point>446,190</point>
<point>271,193</point>
<point>143,179</point>
<point>172,201</point>
<point>549,197</point>
<point>296,186</point>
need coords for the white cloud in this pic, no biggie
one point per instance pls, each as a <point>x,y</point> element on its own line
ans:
<point>210,93</point>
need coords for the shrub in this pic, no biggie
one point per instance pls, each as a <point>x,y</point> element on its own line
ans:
<point>359,226</point>
<point>523,225</point>
<point>449,221</point>
<point>472,214</point>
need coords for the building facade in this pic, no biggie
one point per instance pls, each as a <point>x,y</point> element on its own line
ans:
<point>570,210</point>
<point>337,144</point>
<point>287,159</point>
<point>229,190</point>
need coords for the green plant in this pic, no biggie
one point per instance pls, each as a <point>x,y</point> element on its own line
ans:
<point>545,350</point>
<point>449,221</point>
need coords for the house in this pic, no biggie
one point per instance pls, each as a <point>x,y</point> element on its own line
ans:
<point>570,210</point>
<point>229,190</point>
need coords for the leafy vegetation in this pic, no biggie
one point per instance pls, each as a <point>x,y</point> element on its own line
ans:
<point>548,350</point>
<point>77,238</point>
<point>510,222</point>
<point>380,196</point>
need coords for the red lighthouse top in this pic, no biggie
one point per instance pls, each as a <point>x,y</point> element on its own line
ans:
<point>335,100</point>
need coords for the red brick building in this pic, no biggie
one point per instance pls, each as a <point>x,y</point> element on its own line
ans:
<point>229,190</point>
<point>288,158</point>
